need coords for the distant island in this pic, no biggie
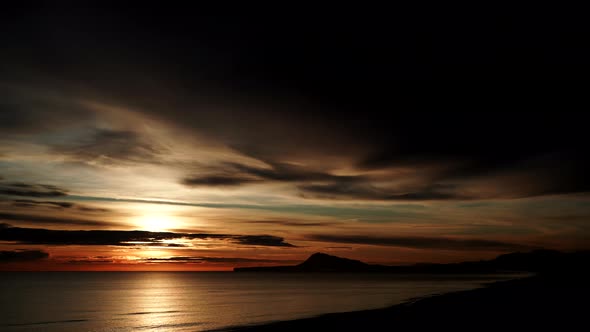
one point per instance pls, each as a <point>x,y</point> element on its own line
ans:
<point>534,261</point>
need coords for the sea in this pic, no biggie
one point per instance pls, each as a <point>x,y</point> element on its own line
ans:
<point>201,301</point>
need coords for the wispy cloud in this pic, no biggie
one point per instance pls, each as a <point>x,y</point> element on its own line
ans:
<point>367,191</point>
<point>217,181</point>
<point>90,261</point>
<point>127,238</point>
<point>102,146</point>
<point>50,220</point>
<point>31,190</point>
<point>28,203</point>
<point>429,180</point>
<point>235,174</point>
<point>205,259</point>
<point>291,223</point>
<point>32,203</point>
<point>441,243</point>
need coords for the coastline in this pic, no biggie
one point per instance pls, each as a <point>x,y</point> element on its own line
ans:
<point>536,302</point>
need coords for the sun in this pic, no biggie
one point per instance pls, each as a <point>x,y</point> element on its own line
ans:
<point>158,217</point>
<point>156,222</point>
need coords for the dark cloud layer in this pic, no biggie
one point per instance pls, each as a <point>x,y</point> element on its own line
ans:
<point>440,243</point>
<point>283,172</point>
<point>28,203</point>
<point>125,238</point>
<point>217,181</point>
<point>292,223</point>
<point>90,261</point>
<point>49,220</point>
<point>31,190</point>
<point>234,174</point>
<point>421,88</point>
<point>199,259</point>
<point>22,255</point>
<point>260,240</point>
<point>32,203</point>
<point>367,191</point>
<point>550,174</point>
<point>110,147</point>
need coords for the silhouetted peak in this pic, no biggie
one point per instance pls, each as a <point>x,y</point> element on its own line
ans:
<point>323,261</point>
<point>541,261</point>
<point>321,255</point>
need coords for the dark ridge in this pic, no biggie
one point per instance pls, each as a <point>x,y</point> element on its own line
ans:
<point>324,262</point>
<point>318,262</point>
<point>540,261</point>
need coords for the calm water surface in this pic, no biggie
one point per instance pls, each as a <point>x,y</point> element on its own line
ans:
<point>184,301</point>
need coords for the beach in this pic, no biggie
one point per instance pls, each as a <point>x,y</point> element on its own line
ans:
<point>544,302</point>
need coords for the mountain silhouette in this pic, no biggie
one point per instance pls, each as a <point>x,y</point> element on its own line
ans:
<point>319,262</point>
<point>324,262</point>
<point>545,261</point>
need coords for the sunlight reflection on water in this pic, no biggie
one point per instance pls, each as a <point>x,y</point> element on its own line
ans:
<point>150,301</point>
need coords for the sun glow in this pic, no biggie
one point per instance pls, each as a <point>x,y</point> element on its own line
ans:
<point>156,222</point>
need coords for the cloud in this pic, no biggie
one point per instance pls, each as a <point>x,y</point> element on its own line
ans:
<point>260,240</point>
<point>205,259</point>
<point>91,209</point>
<point>87,260</point>
<point>55,204</point>
<point>235,174</point>
<point>93,260</point>
<point>103,146</point>
<point>90,261</point>
<point>22,255</point>
<point>463,155</point>
<point>551,174</point>
<point>126,238</point>
<point>283,172</point>
<point>31,190</point>
<point>367,191</point>
<point>291,223</point>
<point>282,100</point>
<point>428,181</point>
<point>217,181</point>
<point>324,185</point>
<point>449,157</point>
<point>47,220</point>
<point>441,243</point>
<point>32,203</point>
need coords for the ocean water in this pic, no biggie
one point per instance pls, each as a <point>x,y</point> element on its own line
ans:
<point>189,301</point>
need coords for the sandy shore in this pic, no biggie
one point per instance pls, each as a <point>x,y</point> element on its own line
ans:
<point>555,303</point>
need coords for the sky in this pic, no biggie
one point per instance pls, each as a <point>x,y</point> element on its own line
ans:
<point>190,138</point>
